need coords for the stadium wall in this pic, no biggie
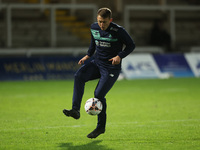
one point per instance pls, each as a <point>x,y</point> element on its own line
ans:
<point>37,65</point>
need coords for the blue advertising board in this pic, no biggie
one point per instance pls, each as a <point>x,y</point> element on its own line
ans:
<point>175,64</point>
<point>133,66</point>
<point>38,68</point>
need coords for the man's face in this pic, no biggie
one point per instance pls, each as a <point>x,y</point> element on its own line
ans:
<point>103,22</point>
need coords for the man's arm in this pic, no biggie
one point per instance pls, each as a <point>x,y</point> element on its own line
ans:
<point>130,46</point>
<point>128,42</point>
<point>82,60</point>
<point>90,51</point>
<point>92,46</point>
<point>115,60</point>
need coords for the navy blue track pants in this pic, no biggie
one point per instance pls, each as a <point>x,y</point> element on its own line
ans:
<point>90,71</point>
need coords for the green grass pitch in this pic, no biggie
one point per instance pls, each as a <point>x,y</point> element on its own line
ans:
<point>145,114</point>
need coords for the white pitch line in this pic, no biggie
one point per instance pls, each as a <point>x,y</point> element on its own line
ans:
<point>109,124</point>
<point>40,128</point>
<point>136,122</point>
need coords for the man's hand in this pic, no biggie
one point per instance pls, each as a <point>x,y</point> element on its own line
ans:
<point>115,60</point>
<point>83,59</point>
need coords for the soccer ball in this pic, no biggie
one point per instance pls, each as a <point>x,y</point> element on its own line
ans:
<point>93,106</point>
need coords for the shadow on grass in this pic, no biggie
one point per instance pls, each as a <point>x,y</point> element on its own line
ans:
<point>89,146</point>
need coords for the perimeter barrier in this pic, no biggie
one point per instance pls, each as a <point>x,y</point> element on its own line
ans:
<point>63,65</point>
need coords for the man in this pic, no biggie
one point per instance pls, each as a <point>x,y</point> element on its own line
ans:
<point>107,39</point>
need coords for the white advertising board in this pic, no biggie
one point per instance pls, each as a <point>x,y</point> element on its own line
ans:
<point>141,66</point>
<point>193,60</point>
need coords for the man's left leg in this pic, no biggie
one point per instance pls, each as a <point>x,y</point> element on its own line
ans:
<point>107,80</point>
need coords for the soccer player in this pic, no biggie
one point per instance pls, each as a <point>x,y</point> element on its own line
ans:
<point>107,40</point>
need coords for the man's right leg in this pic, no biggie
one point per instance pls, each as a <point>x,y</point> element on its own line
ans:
<point>87,72</point>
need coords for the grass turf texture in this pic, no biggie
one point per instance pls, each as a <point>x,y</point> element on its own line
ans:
<point>142,114</point>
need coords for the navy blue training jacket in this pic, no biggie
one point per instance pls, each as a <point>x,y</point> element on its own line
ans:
<point>109,43</point>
